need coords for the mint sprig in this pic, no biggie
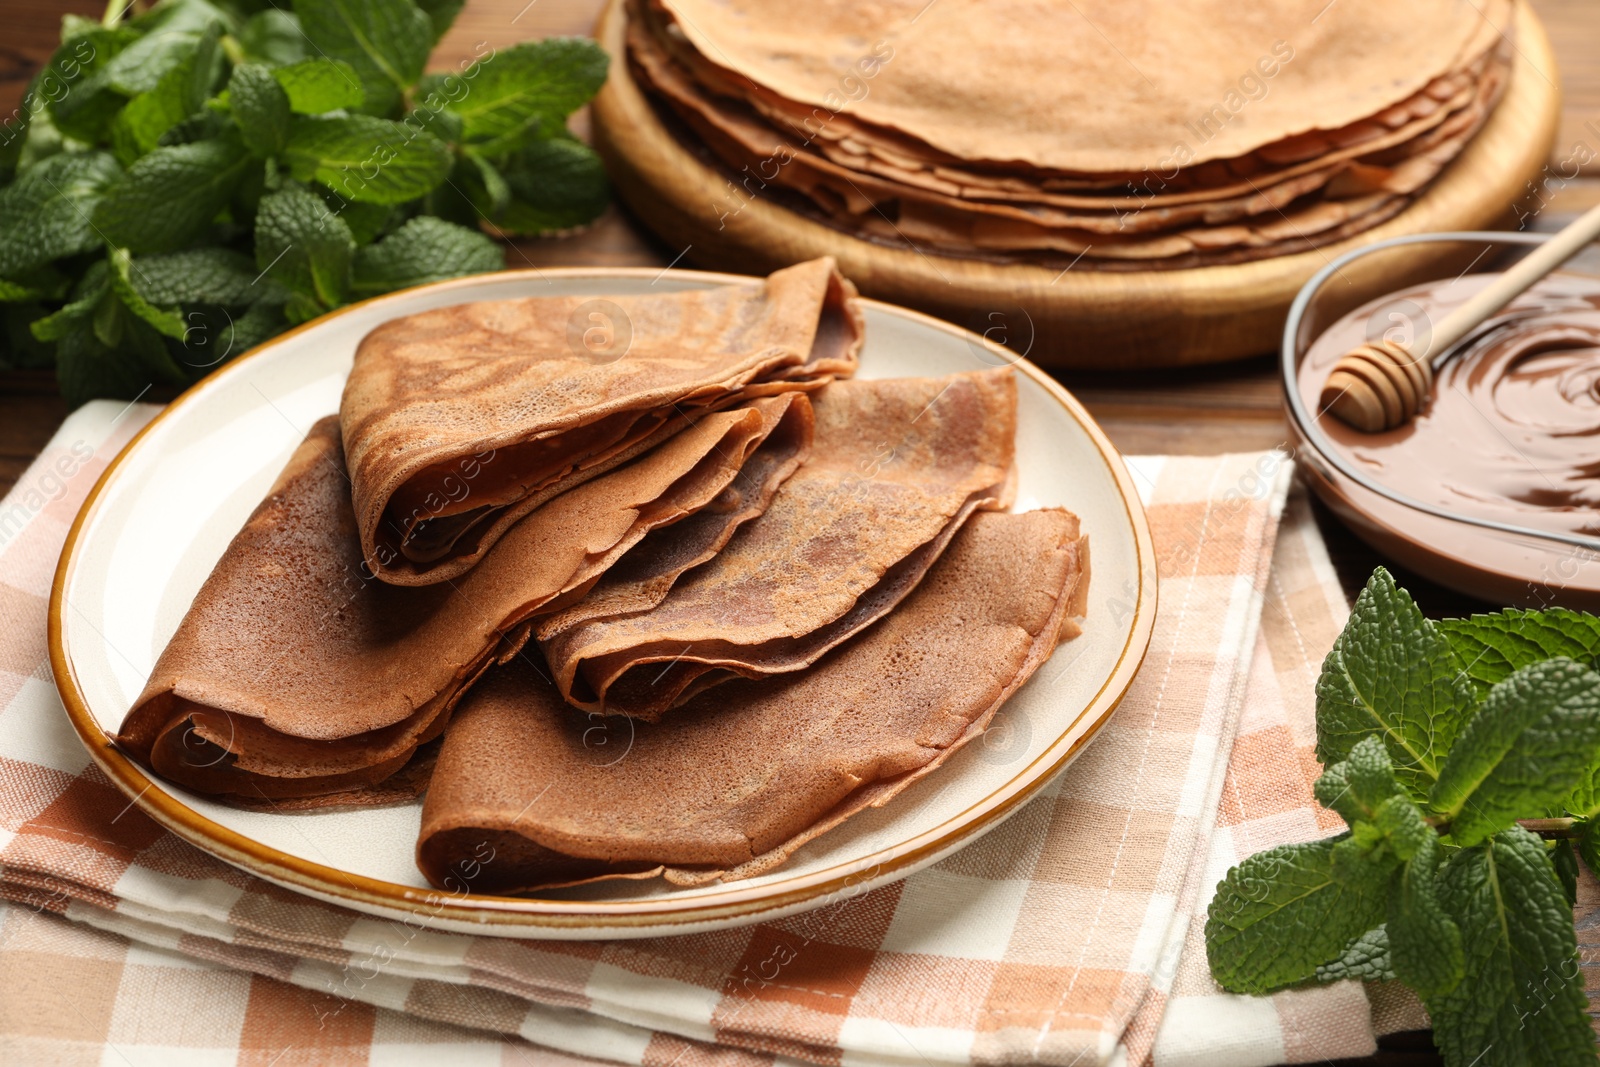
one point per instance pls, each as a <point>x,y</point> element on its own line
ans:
<point>182,184</point>
<point>1442,742</point>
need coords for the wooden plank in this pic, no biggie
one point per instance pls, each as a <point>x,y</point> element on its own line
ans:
<point>1575,32</point>
<point>32,29</point>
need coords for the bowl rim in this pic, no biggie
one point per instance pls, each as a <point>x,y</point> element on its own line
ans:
<point>536,917</point>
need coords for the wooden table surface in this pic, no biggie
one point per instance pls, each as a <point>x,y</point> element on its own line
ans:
<point>1230,408</point>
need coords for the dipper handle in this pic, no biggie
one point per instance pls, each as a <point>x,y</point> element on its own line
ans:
<point>1380,385</point>
<point>1513,283</point>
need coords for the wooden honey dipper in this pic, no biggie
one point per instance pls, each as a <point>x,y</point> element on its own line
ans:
<point>1380,385</point>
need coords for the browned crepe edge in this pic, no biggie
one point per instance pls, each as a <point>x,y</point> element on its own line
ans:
<point>372,501</point>
<point>1069,599</point>
<point>162,709</point>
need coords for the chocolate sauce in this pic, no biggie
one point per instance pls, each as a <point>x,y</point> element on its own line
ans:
<point>1512,431</point>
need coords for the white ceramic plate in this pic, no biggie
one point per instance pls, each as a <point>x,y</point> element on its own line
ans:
<point>157,522</point>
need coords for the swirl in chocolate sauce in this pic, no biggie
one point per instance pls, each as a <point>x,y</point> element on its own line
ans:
<point>1512,431</point>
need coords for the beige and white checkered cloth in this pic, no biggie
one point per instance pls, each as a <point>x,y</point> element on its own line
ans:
<point>1070,935</point>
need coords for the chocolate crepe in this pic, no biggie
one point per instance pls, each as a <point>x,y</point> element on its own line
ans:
<point>295,675</point>
<point>1290,158</point>
<point>721,107</point>
<point>1090,87</point>
<point>733,784</point>
<point>459,421</point>
<point>899,464</point>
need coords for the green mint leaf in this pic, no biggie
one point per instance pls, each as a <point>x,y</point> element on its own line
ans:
<point>1404,828</point>
<point>1365,959</point>
<point>169,197</point>
<point>1564,859</point>
<point>183,16</point>
<point>1332,791</point>
<point>260,107</point>
<point>19,349</point>
<point>217,334</point>
<point>440,121</point>
<point>17,293</point>
<point>441,13</point>
<point>102,349</point>
<point>367,222</point>
<point>273,36</point>
<point>177,95</point>
<point>1281,913</point>
<point>82,103</point>
<point>75,26</point>
<point>452,202</point>
<point>14,130</point>
<point>166,320</point>
<point>1424,942</point>
<point>203,276</point>
<point>366,159</point>
<point>204,125</point>
<point>1357,855</point>
<point>1526,749</point>
<point>304,246</point>
<point>386,41</point>
<point>1585,797</point>
<point>42,142</point>
<point>45,214</point>
<point>1370,773</point>
<point>301,308</point>
<point>318,85</point>
<point>141,66</point>
<point>556,185</point>
<point>424,250</point>
<point>1522,1000</point>
<point>86,297</point>
<point>484,185</point>
<point>1489,647</point>
<point>109,321</point>
<point>1391,673</point>
<point>518,95</point>
<point>87,368</point>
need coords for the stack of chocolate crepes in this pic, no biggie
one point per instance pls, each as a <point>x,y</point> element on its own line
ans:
<point>671,614</point>
<point>1113,135</point>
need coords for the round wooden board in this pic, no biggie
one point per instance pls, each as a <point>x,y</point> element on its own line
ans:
<point>1076,318</point>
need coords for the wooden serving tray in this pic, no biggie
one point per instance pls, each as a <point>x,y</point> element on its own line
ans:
<point>1076,318</point>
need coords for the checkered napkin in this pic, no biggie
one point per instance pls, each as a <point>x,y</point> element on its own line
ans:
<point>1070,935</point>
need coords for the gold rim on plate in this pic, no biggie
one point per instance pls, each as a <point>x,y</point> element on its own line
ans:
<point>533,916</point>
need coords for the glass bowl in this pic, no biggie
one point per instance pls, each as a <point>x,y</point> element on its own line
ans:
<point>1482,557</point>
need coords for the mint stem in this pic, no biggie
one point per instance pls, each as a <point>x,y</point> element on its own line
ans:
<point>1549,829</point>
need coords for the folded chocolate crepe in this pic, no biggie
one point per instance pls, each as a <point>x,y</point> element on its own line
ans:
<point>459,421</point>
<point>295,676</point>
<point>898,465</point>
<point>733,784</point>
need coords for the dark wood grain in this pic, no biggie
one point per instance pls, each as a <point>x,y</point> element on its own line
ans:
<point>1233,408</point>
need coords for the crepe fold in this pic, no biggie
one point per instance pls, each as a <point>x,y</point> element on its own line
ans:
<point>898,465</point>
<point>733,784</point>
<point>296,679</point>
<point>459,421</point>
